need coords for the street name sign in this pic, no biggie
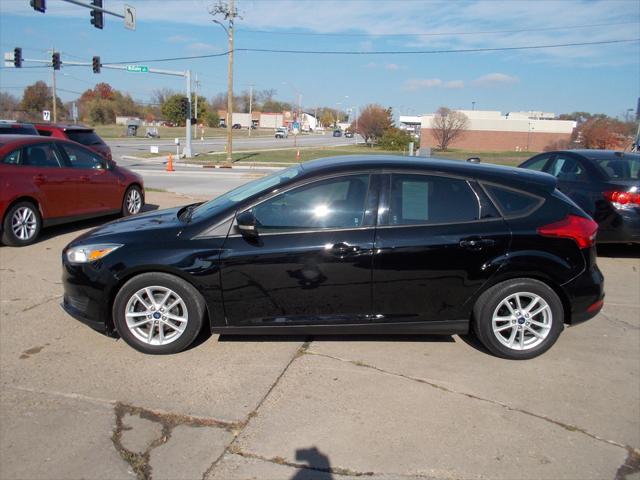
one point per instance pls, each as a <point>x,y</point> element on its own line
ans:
<point>138,68</point>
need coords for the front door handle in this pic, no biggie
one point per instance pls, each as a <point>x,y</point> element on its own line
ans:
<point>476,243</point>
<point>39,178</point>
<point>342,249</point>
<point>84,178</point>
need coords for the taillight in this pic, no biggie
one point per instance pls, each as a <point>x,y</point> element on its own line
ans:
<point>622,200</point>
<point>582,230</point>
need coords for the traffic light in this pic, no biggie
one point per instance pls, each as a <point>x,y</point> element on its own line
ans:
<point>96,64</point>
<point>17,57</point>
<point>55,61</point>
<point>184,108</point>
<point>39,5</point>
<point>97,17</point>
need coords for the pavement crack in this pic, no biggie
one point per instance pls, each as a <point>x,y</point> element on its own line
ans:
<point>299,352</point>
<point>31,307</point>
<point>566,426</point>
<point>140,461</point>
<point>617,320</point>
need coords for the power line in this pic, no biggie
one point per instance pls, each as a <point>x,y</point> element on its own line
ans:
<point>436,34</point>
<point>172,59</point>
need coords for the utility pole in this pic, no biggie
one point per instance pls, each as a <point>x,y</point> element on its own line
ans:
<point>250,108</point>
<point>53,90</point>
<point>229,12</point>
<point>197,84</point>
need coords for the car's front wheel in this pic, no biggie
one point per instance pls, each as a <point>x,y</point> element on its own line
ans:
<point>518,319</point>
<point>22,224</point>
<point>158,313</point>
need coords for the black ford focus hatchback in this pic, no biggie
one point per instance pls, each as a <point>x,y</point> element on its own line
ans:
<point>347,245</point>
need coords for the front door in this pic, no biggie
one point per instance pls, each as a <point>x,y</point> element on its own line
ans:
<point>433,247</point>
<point>311,260</point>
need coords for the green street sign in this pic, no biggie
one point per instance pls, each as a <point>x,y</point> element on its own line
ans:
<point>138,68</point>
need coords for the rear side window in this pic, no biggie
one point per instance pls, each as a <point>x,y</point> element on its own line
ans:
<point>626,168</point>
<point>567,169</point>
<point>85,137</point>
<point>45,133</point>
<point>13,129</point>
<point>43,155</point>
<point>513,203</point>
<point>426,199</point>
<point>12,158</point>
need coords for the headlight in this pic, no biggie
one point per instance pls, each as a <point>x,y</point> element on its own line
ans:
<point>90,253</point>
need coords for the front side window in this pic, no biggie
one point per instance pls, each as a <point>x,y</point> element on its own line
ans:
<point>537,163</point>
<point>81,158</point>
<point>331,203</point>
<point>426,199</point>
<point>43,155</point>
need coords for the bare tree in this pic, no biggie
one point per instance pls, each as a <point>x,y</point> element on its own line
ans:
<point>447,125</point>
<point>373,122</point>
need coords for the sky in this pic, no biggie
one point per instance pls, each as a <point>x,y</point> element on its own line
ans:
<point>595,78</point>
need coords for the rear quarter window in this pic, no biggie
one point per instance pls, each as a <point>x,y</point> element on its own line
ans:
<point>513,203</point>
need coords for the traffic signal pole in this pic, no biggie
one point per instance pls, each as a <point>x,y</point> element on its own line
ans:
<point>53,89</point>
<point>187,149</point>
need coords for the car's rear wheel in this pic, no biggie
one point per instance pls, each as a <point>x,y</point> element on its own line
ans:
<point>158,313</point>
<point>518,319</point>
<point>133,201</point>
<point>21,225</point>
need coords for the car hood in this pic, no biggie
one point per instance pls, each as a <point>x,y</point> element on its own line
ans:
<point>126,229</point>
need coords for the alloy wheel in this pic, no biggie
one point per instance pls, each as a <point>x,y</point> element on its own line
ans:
<point>24,223</point>
<point>156,315</point>
<point>522,321</point>
<point>134,201</point>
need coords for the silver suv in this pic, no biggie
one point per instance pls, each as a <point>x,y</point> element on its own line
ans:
<point>281,132</point>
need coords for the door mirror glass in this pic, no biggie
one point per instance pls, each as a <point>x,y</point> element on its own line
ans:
<point>247,224</point>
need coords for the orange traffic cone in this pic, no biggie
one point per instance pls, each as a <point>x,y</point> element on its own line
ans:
<point>170,164</point>
<point>298,155</point>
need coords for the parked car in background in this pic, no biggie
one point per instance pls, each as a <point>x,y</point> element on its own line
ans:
<point>47,181</point>
<point>604,183</point>
<point>83,135</point>
<point>282,132</point>
<point>236,126</point>
<point>348,134</point>
<point>362,244</point>
<point>337,132</point>
<point>9,127</point>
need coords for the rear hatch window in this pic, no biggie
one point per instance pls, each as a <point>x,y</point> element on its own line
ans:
<point>84,137</point>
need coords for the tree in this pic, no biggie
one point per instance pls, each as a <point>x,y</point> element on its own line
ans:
<point>447,125</point>
<point>37,97</point>
<point>101,111</point>
<point>173,110</point>
<point>603,133</point>
<point>373,122</point>
<point>8,104</point>
<point>212,119</point>
<point>396,139</point>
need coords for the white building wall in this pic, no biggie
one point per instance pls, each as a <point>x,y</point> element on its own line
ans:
<point>511,122</point>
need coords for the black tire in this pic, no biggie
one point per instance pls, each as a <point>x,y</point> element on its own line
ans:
<point>126,205</point>
<point>193,303</point>
<point>488,303</point>
<point>9,237</point>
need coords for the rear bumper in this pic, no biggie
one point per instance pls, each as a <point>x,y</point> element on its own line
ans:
<point>585,294</point>
<point>623,228</point>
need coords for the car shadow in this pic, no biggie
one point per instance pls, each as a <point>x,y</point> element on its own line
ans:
<point>51,232</point>
<point>615,250</point>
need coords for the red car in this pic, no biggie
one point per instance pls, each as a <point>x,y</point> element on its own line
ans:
<point>78,133</point>
<point>47,181</point>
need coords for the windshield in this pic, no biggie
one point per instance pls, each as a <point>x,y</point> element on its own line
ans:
<point>244,192</point>
<point>621,168</point>
<point>85,137</point>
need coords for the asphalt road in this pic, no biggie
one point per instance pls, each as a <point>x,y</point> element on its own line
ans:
<point>133,146</point>
<point>75,404</point>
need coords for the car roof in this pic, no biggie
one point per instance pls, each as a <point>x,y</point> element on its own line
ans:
<point>63,126</point>
<point>601,154</point>
<point>13,141</point>
<point>517,177</point>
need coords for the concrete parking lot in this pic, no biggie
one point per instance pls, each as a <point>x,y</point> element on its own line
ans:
<point>77,405</point>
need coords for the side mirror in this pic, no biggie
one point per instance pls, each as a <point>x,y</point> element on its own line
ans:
<point>247,224</point>
<point>473,160</point>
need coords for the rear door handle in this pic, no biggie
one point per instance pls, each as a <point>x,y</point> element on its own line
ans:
<point>476,243</point>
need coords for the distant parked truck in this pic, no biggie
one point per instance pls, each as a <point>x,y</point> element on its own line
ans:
<point>271,120</point>
<point>242,119</point>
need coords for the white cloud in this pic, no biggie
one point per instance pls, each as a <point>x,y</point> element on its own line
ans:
<point>179,39</point>
<point>202,47</point>
<point>392,66</point>
<point>371,65</point>
<point>454,84</point>
<point>495,79</point>
<point>422,83</point>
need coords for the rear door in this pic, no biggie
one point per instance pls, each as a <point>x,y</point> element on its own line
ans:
<point>575,180</point>
<point>45,168</point>
<point>435,243</point>
<point>97,187</point>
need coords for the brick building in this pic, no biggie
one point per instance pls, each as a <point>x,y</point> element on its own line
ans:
<point>493,131</point>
